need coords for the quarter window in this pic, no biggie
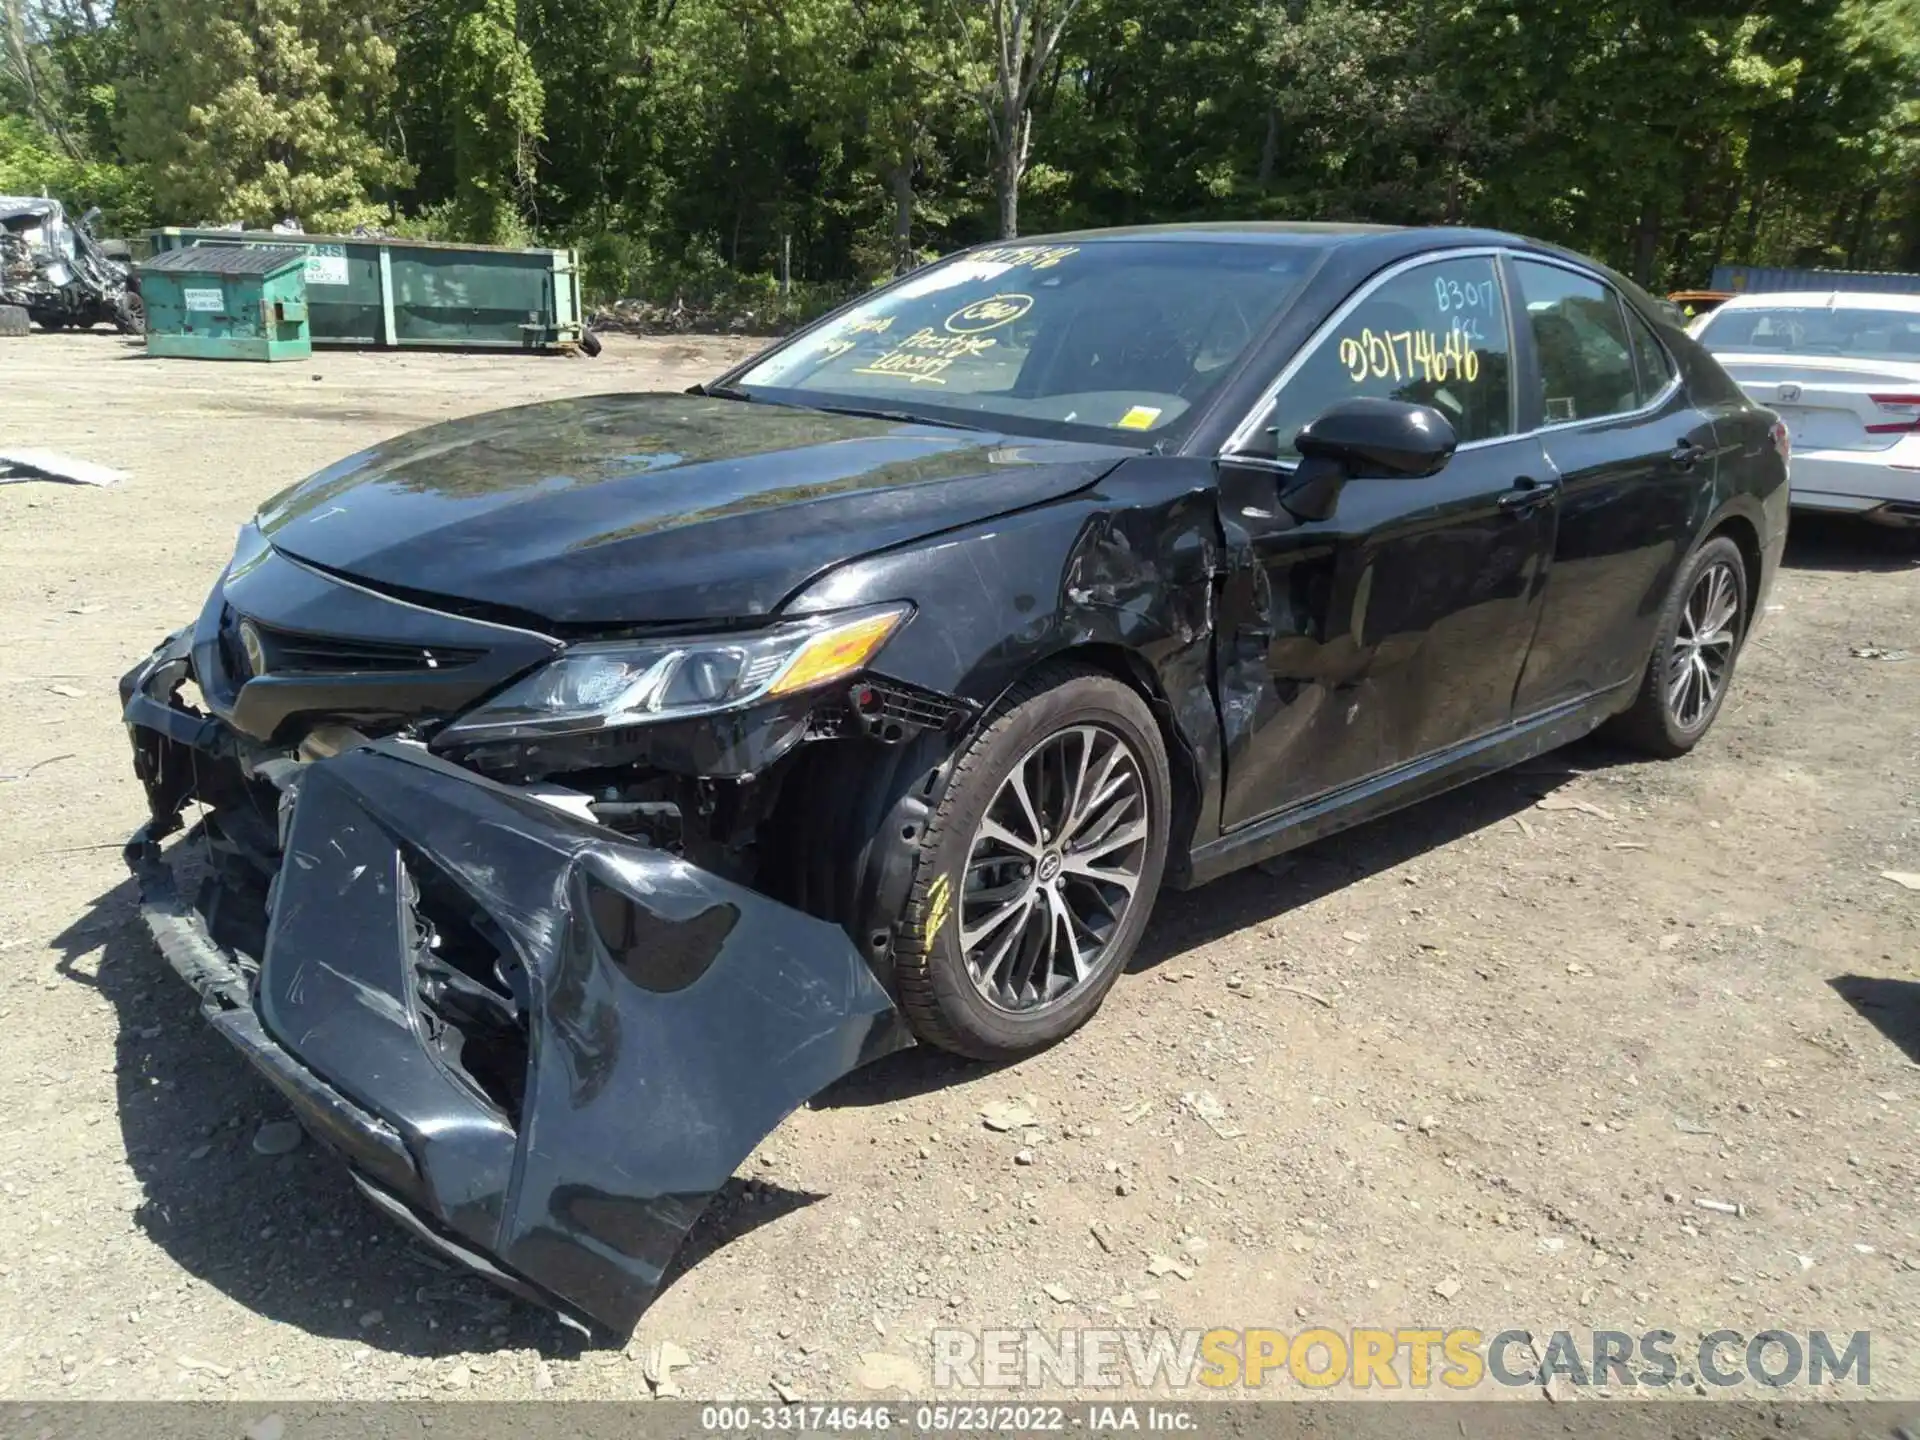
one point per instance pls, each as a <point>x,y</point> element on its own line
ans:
<point>1650,360</point>
<point>1433,335</point>
<point>1580,344</point>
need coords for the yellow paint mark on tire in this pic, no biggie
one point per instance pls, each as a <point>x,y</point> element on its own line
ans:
<point>939,901</point>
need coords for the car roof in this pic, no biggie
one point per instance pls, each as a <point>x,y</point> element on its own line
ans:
<point>1321,234</point>
<point>1353,249</point>
<point>1824,300</point>
<point>1364,244</point>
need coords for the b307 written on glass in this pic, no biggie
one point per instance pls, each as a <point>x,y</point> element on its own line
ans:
<point>1410,355</point>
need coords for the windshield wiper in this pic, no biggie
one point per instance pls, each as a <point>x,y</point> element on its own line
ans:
<point>900,416</point>
<point>734,392</point>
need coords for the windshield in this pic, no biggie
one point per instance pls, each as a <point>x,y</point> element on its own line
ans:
<point>1858,334</point>
<point>1114,335</point>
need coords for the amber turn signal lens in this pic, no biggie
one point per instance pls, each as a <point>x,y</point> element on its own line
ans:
<point>836,653</point>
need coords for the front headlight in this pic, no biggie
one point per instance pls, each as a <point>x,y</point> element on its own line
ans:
<point>600,686</point>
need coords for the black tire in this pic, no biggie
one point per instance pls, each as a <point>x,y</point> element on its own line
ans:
<point>14,321</point>
<point>1656,723</point>
<point>936,988</point>
<point>589,343</point>
<point>130,314</point>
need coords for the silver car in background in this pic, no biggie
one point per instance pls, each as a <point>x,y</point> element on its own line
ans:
<point>1842,369</point>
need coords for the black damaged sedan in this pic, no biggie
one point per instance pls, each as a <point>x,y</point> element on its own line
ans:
<point>580,787</point>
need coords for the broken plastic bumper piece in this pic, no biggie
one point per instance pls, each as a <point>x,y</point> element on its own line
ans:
<point>539,1045</point>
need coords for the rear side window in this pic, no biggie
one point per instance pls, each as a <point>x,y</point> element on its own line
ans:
<point>1580,344</point>
<point>1650,360</point>
<point>1433,335</point>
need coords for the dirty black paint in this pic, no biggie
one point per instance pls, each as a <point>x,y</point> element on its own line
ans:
<point>654,509</point>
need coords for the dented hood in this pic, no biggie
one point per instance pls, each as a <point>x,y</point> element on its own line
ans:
<point>642,509</point>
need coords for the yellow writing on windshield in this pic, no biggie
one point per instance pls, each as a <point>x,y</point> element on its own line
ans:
<point>905,365</point>
<point>923,355</point>
<point>1410,355</point>
<point>870,326</point>
<point>954,347</point>
<point>988,314</point>
<point>1035,257</point>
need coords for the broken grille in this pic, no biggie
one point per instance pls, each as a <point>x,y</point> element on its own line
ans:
<point>289,653</point>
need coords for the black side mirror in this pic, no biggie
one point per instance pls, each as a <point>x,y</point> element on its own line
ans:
<point>1365,438</point>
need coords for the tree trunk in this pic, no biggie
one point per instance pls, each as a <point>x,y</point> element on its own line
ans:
<point>1007,183</point>
<point>1690,225</point>
<point>1862,219</point>
<point>1754,209</point>
<point>1270,148</point>
<point>1009,165</point>
<point>1725,227</point>
<point>900,182</point>
<point>1646,242</point>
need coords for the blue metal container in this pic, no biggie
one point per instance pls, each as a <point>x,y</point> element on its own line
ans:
<point>1761,279</point>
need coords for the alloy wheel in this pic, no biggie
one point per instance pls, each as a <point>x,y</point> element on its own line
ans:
<point>1053,868</point>
<point>1703,645</point>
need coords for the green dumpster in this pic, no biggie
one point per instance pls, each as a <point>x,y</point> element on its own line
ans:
<point>373,290</point>
<point>218,302</point>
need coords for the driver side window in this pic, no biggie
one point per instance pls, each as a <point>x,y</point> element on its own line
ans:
<point>1433,335</point>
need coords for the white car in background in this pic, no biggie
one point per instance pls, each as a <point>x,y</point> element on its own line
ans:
<point>1842,369</point>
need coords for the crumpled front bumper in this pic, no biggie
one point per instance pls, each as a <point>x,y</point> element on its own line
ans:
<point>671,1018</point>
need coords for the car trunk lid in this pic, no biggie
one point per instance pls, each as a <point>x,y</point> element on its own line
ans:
<point>1833,404</point>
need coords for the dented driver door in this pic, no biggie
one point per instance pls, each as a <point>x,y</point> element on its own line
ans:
<point>1397,626</point>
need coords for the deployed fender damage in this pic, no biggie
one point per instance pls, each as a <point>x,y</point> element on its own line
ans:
<point>541,1046</point>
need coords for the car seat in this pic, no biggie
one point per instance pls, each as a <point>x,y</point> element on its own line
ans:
<point>1114,348</point>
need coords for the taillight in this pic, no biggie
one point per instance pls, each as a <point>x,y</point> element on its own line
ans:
<point>1782,441</point>
<point>1906,407</point>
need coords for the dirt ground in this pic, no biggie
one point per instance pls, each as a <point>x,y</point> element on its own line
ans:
<point>1475,1063</point>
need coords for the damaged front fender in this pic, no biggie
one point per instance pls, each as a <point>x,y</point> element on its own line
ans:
<point>543,1046</point>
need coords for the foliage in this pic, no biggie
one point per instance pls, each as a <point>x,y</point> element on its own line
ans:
<point>30,164</point>
<point>687,295</point>
<point>699,150</point>
<point>260,111</point>
<point>497,101</point>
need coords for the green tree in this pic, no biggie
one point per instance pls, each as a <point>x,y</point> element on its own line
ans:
<point>877,76</point>
<point>497,101</point>
<point>693,147</point>
<point>262,109</point>
<point>1011,44</point>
